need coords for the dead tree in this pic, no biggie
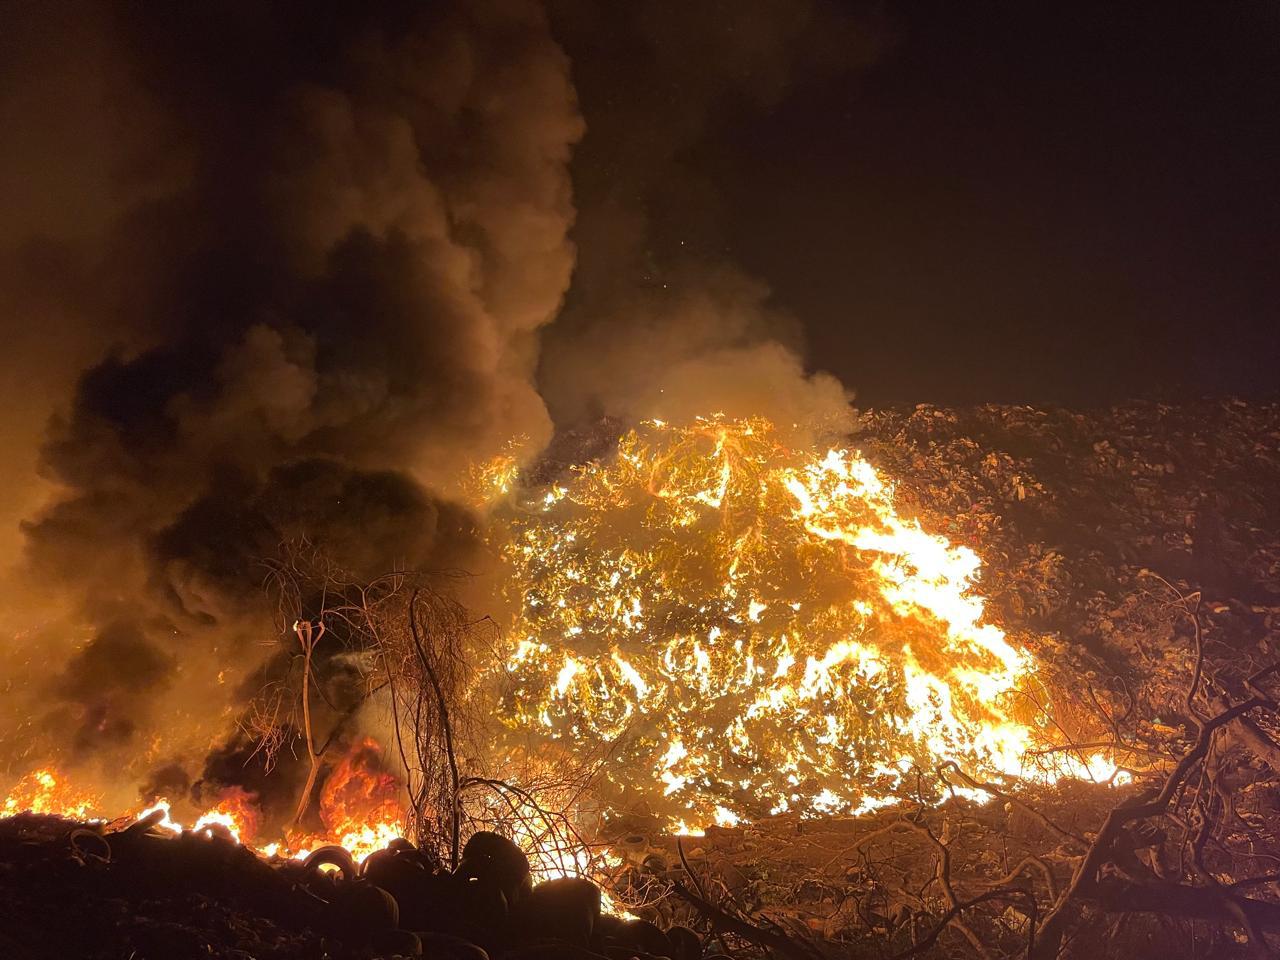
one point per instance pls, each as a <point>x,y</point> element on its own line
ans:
<point>308,637</point>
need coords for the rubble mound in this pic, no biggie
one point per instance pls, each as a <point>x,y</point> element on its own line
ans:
<point>88,891</point>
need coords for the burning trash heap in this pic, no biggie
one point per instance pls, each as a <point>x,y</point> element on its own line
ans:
<point>782,716</point>
<point>756,630</point>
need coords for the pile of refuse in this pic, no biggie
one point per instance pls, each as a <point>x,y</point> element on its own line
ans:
<point>84,890</point>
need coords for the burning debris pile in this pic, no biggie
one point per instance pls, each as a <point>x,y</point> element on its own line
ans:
<point>757,629</point>
<point>1130,554</point>
<point>299,274</point>
<point>361,808</point>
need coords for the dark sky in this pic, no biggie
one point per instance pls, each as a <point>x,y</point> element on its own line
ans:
<point>1023,201</point>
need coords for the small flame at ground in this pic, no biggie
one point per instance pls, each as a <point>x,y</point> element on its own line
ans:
<point>237,812</point>
<point>359,805</point>
<point>165,821</point>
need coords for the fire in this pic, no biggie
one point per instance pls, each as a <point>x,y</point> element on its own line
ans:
<point>362,804</point>
<point>551,841</point>
<point>725,628</point>
<point>165,821</point>
<point>359,806</point>
<point>45,791</point>
<point>237,811</point>
<point>743,629</point>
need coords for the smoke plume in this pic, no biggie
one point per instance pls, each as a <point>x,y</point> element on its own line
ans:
<point>661,321</point>
<point>310,249</point>
<point>278,273</point>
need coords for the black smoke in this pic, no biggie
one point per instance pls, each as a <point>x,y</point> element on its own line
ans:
<point>282,271</point>
<point>315,246</point>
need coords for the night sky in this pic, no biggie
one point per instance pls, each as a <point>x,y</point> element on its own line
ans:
<point>970,202</point>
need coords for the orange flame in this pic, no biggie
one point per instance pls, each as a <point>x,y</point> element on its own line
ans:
<point>46,791</point>
<point>360,806</point>
<point>237,811</point>
<point>753,629</point>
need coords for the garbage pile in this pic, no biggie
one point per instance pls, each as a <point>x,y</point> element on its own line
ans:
<point>87,891</point>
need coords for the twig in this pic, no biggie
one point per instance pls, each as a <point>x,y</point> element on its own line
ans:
<point>1008,798</point>
<point>748,931</point>
<point>932,936</point>
<point>455,825</point>
<point>1194,613</point>
<point>1119,746</point>
<point>308,641</point>
<point>942,874</point>
<point>1022,865</point>
<point>1084,880</point>
<point>1190,603</point>
<point>697,884</point>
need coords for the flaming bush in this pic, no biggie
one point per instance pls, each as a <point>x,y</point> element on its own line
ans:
<point>740,629</point>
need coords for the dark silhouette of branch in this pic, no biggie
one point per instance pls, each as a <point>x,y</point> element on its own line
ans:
<point>1012,893</point>
<point>1176,898</point>
<point>455,825</point>
<point>308,637</point>
<point>1007,798</point>
<point>769,939</point>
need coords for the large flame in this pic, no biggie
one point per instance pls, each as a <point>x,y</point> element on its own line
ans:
<point>738,629</point>
<point>362,804</point>
<point>725,628</point>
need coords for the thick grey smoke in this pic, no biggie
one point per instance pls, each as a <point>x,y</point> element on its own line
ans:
<point>304,252</point>
<point>661,320</point>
